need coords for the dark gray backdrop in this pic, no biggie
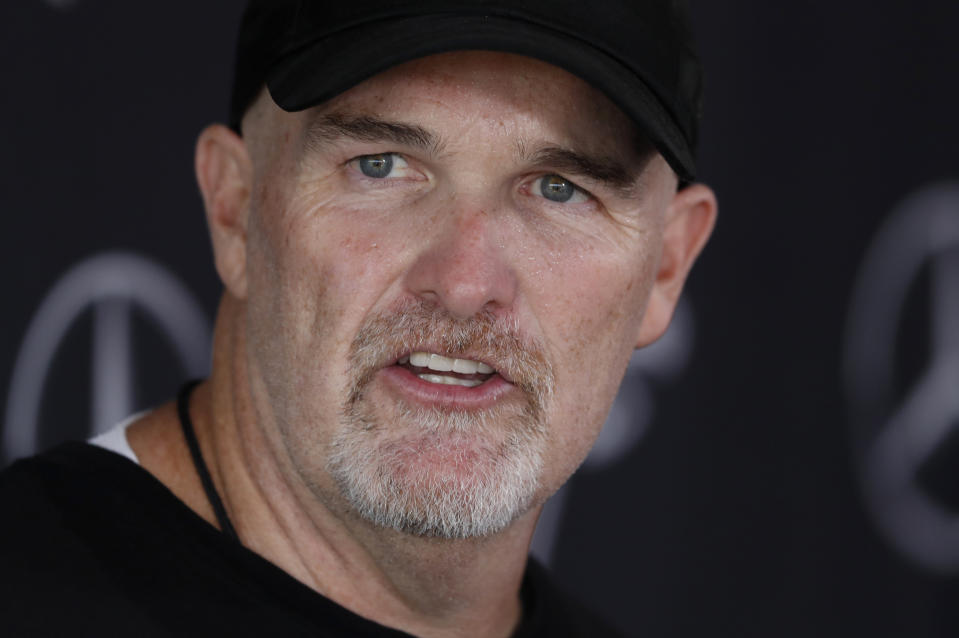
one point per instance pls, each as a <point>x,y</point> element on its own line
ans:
<point>754,503</point>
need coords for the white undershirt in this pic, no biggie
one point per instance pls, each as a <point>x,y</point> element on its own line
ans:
<point>115,439</point>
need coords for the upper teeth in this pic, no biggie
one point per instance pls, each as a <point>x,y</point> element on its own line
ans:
<point>440,363</point>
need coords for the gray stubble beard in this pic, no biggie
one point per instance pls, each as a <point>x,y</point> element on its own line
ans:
<point>379,466</point>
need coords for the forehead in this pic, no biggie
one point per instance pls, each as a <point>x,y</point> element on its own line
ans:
<point>473,87</point>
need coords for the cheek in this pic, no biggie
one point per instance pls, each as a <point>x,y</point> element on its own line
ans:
<point>595,311</point>
<point>594,295</point>
<point>320,267</point>
<point>312,279</point>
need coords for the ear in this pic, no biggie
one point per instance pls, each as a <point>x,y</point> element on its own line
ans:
<point>225,175</point>
<point>690,218</point>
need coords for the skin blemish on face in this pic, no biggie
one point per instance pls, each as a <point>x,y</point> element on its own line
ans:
<point>358,246</point>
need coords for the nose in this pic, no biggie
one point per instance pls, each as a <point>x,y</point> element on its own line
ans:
<point>463,266</point>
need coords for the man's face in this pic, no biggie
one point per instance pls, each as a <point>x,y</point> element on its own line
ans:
<point>482,211</point>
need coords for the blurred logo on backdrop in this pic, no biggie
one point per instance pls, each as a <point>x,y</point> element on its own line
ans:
<point>111,286</point>
<point>901,374</point>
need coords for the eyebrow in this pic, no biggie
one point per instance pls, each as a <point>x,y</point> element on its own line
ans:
<point>601,169</point>
<point>332,127</point>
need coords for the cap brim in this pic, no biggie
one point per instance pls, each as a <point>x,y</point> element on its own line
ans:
<point>322,69</point>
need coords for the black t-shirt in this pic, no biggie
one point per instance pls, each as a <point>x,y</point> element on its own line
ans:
<point>93,545</point>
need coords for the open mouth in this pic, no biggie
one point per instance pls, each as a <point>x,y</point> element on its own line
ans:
<point>435,368</point>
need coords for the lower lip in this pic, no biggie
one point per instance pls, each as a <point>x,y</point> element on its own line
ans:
<point>411,387</point>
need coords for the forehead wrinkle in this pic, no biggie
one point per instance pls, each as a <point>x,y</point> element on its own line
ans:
<point>330,128</point>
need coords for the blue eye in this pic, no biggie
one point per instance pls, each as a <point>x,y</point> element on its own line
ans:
<point>376,166</point>
<point>558,189</point>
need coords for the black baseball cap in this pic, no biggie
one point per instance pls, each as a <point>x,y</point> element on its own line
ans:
<point>638,52</point>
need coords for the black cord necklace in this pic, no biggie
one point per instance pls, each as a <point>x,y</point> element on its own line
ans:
<point>183,410</point>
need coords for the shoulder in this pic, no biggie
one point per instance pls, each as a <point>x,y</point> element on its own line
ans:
<point>95,545</point>
<point>77,490</point>
<point>64,518</point>
<point>73,493</point>
<point>57,478</point>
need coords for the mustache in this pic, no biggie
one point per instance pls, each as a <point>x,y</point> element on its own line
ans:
<point>419,325</point>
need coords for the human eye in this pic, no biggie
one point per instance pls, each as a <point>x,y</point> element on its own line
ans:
<point>557,188</point>
<point>381,165</point>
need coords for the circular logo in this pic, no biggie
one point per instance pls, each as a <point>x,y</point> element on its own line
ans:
<point>111,285</point>
<point>893,436</point>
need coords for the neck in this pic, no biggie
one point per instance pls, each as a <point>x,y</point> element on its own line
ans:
<point>425,586</point>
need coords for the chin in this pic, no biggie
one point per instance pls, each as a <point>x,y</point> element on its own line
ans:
<point>439,474</point>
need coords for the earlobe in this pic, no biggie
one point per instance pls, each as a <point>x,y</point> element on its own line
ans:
<point>224,173</point>
<point>689,222</point>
